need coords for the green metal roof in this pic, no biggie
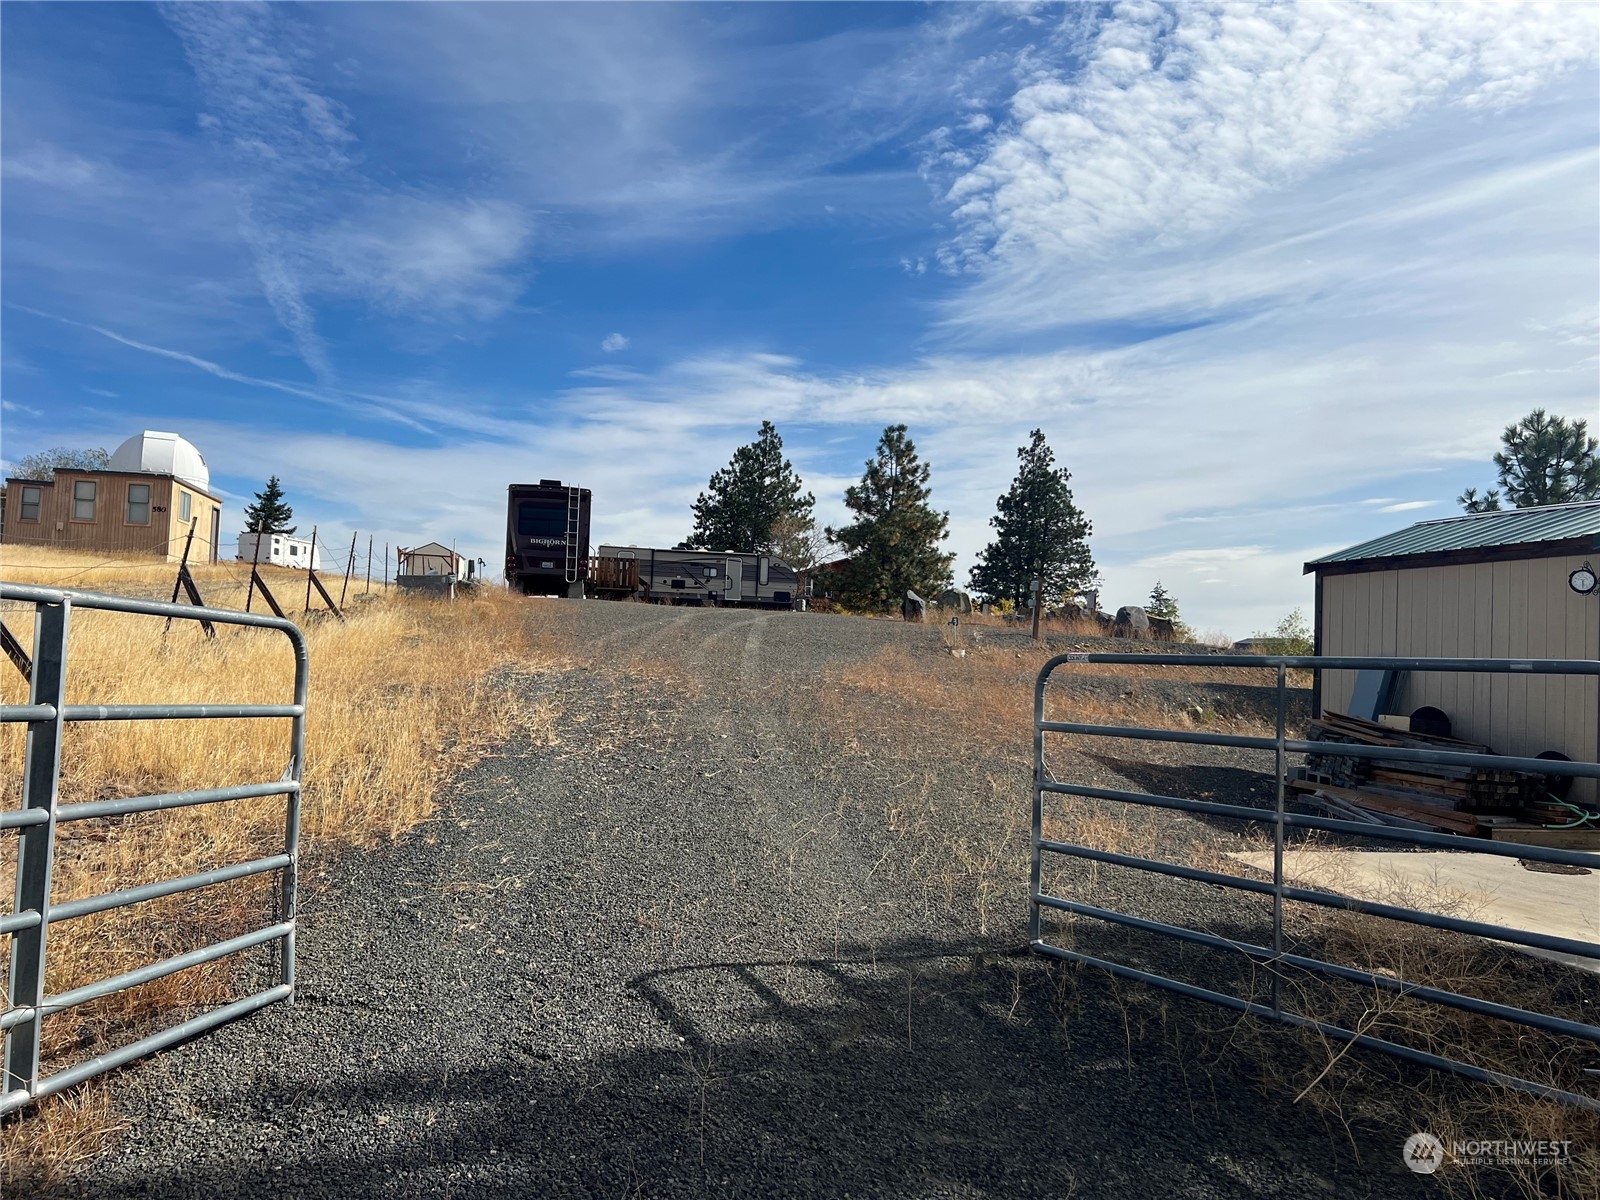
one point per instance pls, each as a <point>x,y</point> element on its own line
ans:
<point>1473,531</point>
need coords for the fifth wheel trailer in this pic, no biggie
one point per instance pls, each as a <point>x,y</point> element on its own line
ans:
<point>547,538</point>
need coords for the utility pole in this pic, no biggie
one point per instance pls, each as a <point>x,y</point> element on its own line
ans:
<point>1033,589</point>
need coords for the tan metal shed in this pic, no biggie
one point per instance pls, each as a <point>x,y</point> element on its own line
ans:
<point>1483,585</point>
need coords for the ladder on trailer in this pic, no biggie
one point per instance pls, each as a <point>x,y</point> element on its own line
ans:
<point>574,517</point>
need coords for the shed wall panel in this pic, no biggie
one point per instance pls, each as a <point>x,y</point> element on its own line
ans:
<point>1509,609</point>
<point>1338,601</point>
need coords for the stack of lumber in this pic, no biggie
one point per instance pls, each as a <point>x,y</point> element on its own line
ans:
<point>1430,795</point>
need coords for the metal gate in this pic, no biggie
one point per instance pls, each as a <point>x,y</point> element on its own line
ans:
<point>1273,958</point>
<point>35,823</point>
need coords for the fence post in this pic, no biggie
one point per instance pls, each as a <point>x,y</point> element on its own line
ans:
<point>41,774</point>
<point>255,563</point>
<point>350,567</point>
<point>311,566</point>
<point>1279,769</point>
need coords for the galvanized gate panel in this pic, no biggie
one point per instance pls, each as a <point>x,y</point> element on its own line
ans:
<point>1274,958</point>
<point>41,813</point>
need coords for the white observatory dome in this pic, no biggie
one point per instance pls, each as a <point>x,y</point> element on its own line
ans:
<point>163,454</point>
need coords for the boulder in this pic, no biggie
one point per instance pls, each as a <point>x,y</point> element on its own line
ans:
<point>913,607</point>
<point>956,600</point>
<point>1076,610</point>
<point>1161,630</point>
<point>1132,622</point>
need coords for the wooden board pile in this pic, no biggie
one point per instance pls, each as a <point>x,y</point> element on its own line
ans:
<point>1395,791</point>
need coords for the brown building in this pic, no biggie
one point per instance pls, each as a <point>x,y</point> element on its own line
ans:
<point>1517,584</point>
<point>156,486</point>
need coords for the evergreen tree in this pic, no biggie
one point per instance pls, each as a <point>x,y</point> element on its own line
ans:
<point>1471,502</point>
<point>747,498</point>
<point>269,514</point>
<point>1546,460</point>
<point>43,464</point>
<point>1164,604</point>
<point>1040,533</point>
<point>894,542</point>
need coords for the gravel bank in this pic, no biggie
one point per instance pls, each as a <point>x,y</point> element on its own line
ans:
<point>649,949</point>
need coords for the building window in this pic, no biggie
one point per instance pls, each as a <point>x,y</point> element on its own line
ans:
<point>138,504</point>
<point>294,550</point>
<point>31,498</point>
<point>83,500</point>
<point>184,506</point>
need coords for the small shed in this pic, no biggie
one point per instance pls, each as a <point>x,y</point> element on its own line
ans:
<point>1516,584</point>
<point>432,559</point>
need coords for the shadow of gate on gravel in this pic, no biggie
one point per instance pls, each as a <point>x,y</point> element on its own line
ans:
<point>918,1070</point>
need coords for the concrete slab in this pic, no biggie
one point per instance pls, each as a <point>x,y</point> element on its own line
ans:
<point>1479,887</point>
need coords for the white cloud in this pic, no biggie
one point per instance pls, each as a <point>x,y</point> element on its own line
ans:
<point>280,134</point>
<point>437,256</point>
<point>614,342</point>
<point>1408,506</point>
<point>54,167</point>
<point>315,224</point>
<point>1180,116</point>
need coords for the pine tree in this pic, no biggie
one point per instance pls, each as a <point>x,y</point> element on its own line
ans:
<point>894,542</point>
<point>1546,460</point>
<point>1471,502</point>
<point>1164,604</point>
<point>1161,603</point>
<point>747,498</point>
<point>269,514</point>
<point>1039,534</point>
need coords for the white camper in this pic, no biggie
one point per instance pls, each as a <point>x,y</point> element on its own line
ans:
<point>280,550</point>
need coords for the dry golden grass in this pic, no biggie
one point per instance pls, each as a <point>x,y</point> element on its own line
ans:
<point>401,695</point>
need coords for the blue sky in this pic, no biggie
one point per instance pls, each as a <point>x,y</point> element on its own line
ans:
<point>1272,279</point>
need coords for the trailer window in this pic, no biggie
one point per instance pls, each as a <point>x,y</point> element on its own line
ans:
<point>538,520</point>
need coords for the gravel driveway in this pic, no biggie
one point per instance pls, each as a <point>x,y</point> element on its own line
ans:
<point>640,953</point>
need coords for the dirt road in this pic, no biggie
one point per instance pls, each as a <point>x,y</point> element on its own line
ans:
<point>663,945</point>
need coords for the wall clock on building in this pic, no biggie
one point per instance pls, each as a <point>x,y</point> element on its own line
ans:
<point>1583,580</point>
